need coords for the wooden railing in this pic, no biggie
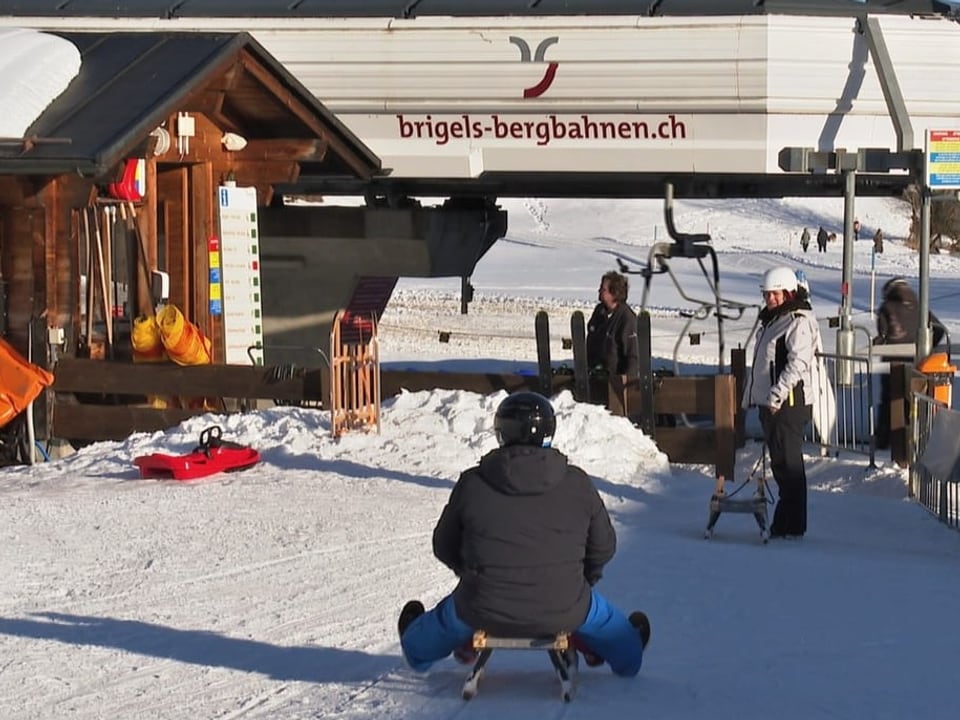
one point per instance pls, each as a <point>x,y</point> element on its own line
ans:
<point>708,403</point>
<point>101,400</point>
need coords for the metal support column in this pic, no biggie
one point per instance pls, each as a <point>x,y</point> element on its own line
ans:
<point>845,338</point>
<point>924,335</point>
<point>888,82</point>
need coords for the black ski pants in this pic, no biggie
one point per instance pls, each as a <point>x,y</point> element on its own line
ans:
<point>783,433</point>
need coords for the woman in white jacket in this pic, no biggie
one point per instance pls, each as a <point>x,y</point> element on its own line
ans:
<point>780,384</point>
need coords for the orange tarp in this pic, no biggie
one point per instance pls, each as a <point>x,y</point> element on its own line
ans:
<point>20,382</point>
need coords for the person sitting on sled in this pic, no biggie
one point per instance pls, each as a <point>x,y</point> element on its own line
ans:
<point>528,535</point>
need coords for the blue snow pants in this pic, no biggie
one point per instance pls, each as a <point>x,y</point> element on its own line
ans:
<point>606,631</point>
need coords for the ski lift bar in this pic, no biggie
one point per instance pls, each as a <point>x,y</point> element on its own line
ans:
<point>863,160</point>
<point>696,246</point>
<point>685,244</point>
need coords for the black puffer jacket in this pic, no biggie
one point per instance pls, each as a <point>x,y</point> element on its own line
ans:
<point>898,318</point>
<point>612,340</point>
<point>527,534</point>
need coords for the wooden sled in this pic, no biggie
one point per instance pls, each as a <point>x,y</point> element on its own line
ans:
<point>562,655</point>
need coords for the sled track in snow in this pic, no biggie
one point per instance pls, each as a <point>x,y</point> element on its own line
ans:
<point>437,696</point>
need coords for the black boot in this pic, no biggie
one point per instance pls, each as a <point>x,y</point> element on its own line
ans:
<point>642,623</point>
<point>411,611</point>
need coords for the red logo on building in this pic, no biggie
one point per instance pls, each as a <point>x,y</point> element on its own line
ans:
<point>551,71</point>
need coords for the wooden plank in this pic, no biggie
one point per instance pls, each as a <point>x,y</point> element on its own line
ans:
<point>688,445</point>
<point>713,396</point>
<point>621,395</point>
<point>672,395</point>
<point>688,395</point>
<point>74,421</point>
<point>641,406</point>
<point>204,224</point>
<point>738,368</point>
<point>724,424</point>
<point>899,406</point>
<point>225,381</point>
<point>393,382</point>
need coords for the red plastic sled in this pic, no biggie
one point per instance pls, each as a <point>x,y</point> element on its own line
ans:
<point>212,456</point>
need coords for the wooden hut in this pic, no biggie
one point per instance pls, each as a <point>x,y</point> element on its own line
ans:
<point>115,185</point>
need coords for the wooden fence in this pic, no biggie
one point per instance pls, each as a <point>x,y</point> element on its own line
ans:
<point>102,400</point>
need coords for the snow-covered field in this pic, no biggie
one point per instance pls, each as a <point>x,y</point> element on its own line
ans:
<point>273,593</point>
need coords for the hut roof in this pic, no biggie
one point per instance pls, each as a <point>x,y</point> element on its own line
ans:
<point>130,83</point>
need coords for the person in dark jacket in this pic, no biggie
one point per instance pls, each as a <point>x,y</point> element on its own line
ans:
<point>897,322</point>
<point>528,536</point>
<point>612,330</point>
<point>822,238</point>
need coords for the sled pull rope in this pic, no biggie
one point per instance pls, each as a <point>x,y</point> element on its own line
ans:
<point>753,471</point>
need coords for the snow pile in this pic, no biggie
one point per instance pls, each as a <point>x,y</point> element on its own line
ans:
<point>274,592</point>
<point>35,68</point>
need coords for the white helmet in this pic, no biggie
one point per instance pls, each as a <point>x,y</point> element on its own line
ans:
<point>779,278</point>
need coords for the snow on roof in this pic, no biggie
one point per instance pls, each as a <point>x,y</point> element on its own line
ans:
<point>35,68</point>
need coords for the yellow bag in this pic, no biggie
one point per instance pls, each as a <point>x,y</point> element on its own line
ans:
<point>184,342</point>
<point>146,341</point>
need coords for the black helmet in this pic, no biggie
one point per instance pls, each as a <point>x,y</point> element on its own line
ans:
<point>525,418</point>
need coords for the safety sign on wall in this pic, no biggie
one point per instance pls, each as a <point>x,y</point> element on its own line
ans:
<point>240,275</point>
<point>943,159</point>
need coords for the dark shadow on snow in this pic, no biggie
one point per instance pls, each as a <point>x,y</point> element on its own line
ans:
<point>278,459</point>
<point>349,468</point>
<point>199,647</point>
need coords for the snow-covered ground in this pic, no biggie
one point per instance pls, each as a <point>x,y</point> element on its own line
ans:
<point>273,593</point>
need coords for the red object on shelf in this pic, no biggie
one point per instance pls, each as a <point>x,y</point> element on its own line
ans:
<point>130,186</point>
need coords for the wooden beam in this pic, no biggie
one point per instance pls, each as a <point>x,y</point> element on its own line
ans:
<point>393,382</point>
<point>303,113</point>
<point>738,368</point>
<point>203,219</point>
<point>113,422</point>
<point>279,150</point>
<point>688,445</point>
<point>77,375</point>
<point>672,395</point>
<point>724,425</point>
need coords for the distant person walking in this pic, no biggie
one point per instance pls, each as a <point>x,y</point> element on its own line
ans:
<point>822,240</point>
<point>856,229</point>
<point>805,239</point>
<point>936,245</point>
<point>878,242</point>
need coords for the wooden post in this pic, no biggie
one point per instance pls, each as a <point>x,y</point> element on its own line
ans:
<point>645,414</point>
<point>724,414</point>
<point>899,405</point>
<point>738,368</point>
<point>617,396</point>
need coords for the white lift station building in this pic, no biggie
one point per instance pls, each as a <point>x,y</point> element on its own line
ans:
<point>473,100</point>
<point>439,90</point>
